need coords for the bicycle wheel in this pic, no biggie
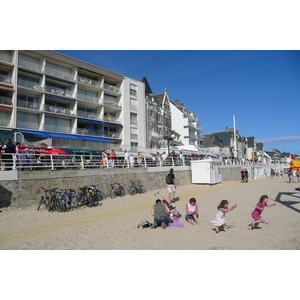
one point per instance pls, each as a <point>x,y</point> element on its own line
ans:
<point>59,204</point>
<point>132,190</point>
<point>80,199</point>
<point>101,195</point>
<point>112,194</point>
<point>48,204</point>
<point>41,202</point>
<point>122,191</point>
<point>95,200</point>
<point>142,189</point>
<point>90,200</point>
<point>73,202</point>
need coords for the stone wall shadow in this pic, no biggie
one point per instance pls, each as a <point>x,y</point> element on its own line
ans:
<point>5,197</point>
<point>290,203</point>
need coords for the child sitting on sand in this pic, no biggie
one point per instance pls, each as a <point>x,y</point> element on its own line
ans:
<point>258,210</point>
<point>220,216</point>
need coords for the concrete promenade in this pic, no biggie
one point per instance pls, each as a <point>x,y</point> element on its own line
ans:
<point>113,224</point>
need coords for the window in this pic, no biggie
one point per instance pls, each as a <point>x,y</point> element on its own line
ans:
<point>88,96</point>
<point>27,101</point>
<point>57,124</point>
<point>134,133</point>
<point>26,120</point>
<point>27,81</point>
<point>133,118</point>
<point>133,104</point>
<point>133,90</point>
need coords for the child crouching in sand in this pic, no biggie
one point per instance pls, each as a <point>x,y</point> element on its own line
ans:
<point>258,210</point>
<point>220,216</point>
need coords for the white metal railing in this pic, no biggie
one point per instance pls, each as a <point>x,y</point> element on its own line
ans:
<point>86,114</point>
<point>34,162</point>
<point>58,109</point>
<point>88,81</point>
<point>111,88</point>
<point>5,100</point>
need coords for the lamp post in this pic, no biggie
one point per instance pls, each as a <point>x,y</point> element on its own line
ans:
<point>169,138</point>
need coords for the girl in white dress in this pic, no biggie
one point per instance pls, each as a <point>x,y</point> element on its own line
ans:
<point>219,222</point>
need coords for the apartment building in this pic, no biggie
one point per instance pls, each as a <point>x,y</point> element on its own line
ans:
<point>187,125</point>
<point>47,98</point>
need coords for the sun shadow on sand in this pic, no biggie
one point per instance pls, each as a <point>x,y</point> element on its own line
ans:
<point>289,204</point>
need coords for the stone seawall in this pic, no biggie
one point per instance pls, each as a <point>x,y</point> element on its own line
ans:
<point>26,190</point>
<point>21,189</point>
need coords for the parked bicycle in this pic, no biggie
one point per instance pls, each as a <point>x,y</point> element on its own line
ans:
<point>136,187</point>
<point>116,190</point>
<point>67,200</point>
<point>49,199</point>
<point>98,193</point>
<point>87,196</point>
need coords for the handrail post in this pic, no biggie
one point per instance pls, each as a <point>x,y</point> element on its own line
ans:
<point>52,165</point>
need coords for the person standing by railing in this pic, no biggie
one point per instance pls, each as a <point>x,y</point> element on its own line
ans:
<point>104,158</point>
<point>112,157</point>
<point>9,149</point>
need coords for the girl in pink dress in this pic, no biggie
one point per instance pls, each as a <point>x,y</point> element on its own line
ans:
<point>258,210</point>
<point>219,222</point>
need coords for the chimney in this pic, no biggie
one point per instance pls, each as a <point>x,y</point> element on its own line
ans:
<point>176,102</point>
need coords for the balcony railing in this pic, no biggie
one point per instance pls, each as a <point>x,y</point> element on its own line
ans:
<point>29,84</point>
<point>55,128</point>
<point>4,122</point>
<point>58,91</point>
<point>85,114</point>
<point>30,65</point>
<point>28,104</point>
<point>111,103</point>
<point>112,88</point>
<point>6,78</point>
<point>87,98</point>
<point>6,57</point>
<point>88,81</point>
<point>27,125</point>
<point>112,120</point>
<point>59,110</point>
<point>5,100</point>
<point>62,74</point>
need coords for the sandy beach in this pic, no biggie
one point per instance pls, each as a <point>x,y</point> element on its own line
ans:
<point>113,225</point>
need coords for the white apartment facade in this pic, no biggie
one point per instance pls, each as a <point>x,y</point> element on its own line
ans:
<point>49,98</point>
<point>186,124</point>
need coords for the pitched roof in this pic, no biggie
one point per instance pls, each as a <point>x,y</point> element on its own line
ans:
<point>147,86</point>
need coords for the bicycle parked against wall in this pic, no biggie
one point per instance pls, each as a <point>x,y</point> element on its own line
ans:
<point>136,187</point>
<point>116,190</point>
<point>67,200</point>
<point>87,196</point>
<point>49,199</point>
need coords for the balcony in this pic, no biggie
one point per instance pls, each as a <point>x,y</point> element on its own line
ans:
<point>27,125</point>
<point>5,78</point>
<point>58,91</point>
<point>59,110</point>
<point>28,104</point>
<point>5,100</point>
<point>30,65</point>
<point>59,73</point>
<point>56,128</point>
<point>88,81</point>
<point>89,98</point>
<point>112,88</point>
<point>112,120</point>
<point>112,104</point>
<point>6,57</point>
<point>87,115</point>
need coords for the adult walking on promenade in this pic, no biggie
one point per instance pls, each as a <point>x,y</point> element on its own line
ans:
<point>171,185</point>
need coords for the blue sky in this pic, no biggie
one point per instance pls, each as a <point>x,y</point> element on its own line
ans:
<point>261,88</point>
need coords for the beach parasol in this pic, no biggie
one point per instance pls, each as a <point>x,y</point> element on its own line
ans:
<point>55,152</point>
